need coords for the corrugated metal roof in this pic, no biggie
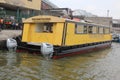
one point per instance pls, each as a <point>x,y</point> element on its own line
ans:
<point>50,3</point>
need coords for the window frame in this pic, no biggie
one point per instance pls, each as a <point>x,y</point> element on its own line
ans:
<point>100,27</point>
<point>96,29</point>
<point>45,28</point>
<point>86,29</point>
<point>90,29</point>
<point>76,28</point>
<point>105,30</point>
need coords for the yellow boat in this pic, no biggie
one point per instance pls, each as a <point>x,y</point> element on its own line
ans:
<point>59,37</point>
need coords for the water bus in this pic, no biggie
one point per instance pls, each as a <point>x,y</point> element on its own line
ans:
<point>57,37</point>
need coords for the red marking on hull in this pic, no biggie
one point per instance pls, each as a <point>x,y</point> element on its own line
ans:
<point>81,52</point>
<point>20,50</point>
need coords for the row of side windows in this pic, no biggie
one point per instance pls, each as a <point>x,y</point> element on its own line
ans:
<point>79,29</point>
<point>30,0</point>
<point>86,29</point>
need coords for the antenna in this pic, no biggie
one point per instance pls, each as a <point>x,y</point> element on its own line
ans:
<point>108,13</point>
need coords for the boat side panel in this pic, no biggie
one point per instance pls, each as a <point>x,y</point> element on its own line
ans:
<point>26,33</point>
<point>74,39</point>
<point>55,37</point>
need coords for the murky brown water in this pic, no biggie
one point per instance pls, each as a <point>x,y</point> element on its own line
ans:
<point>101,65</point>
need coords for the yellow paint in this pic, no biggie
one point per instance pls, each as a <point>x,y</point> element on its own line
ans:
<point>31,35</point>
<point>43,19</point>
<point>34,4</point>
<point>25,35</point>
<point>75,39</point>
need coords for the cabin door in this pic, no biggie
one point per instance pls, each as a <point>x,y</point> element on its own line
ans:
<point>31,31</point>
<point>70,33</point>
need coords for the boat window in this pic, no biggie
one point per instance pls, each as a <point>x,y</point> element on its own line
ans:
<point>79,28</point>
<point>98,30</point>
<point>85,29</point>
<point>90,29</point>
<point>101,31</point>
<point>44,27</point>
<point>106,30</point>
<point>94,29</point>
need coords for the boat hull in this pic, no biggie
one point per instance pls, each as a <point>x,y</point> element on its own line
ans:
<point>69,52</point>
<point>82,50</point>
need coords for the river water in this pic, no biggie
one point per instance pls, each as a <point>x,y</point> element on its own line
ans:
<point>100,65</point>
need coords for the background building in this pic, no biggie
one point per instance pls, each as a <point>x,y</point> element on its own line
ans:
<point>116,26</point>
<point>18,9</point>
<point>106,21</point>
<point>79,12</point>
<point>48,8</point>
<point>46,4</point>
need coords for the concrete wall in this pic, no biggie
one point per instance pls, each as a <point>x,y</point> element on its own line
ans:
<point>2,1</point>
<point>34,4</point>
<point>30,4</point>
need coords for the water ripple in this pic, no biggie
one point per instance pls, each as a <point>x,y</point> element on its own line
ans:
<point>100,65</point>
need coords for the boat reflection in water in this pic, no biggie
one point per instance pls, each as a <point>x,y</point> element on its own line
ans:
<point>12,59</point>
<point>9,59</point>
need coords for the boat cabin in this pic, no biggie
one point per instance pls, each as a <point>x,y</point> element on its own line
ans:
<point>63,32</point>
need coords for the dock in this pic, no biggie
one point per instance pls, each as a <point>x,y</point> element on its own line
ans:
<point>5,34</point>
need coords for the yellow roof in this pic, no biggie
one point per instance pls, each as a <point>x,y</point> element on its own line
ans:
<point>43,19</point>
